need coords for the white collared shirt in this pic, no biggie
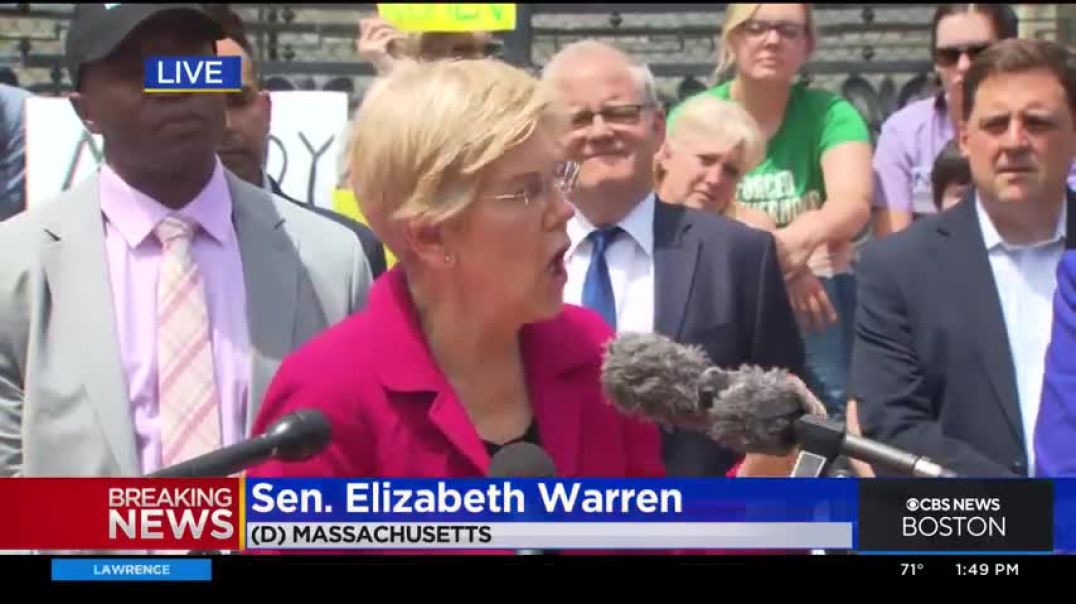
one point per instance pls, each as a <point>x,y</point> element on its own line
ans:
<point>1026,277</point>
<point>631,266</point>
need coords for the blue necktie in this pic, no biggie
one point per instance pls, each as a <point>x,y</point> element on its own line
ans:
<point>598,287</point>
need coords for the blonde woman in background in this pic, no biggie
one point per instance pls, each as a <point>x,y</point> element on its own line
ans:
<point>815,180</point>
<point>706,153</point>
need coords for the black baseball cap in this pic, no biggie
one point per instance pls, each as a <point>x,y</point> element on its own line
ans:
<point>98,29</point>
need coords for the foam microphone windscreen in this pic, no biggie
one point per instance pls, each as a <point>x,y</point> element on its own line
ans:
<point>651,376</point>
<point>755,410</point>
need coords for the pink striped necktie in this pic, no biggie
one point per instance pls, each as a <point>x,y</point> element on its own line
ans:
<point>187,389</point>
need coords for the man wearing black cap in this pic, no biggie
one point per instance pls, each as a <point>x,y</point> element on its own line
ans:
<point>144,311</point>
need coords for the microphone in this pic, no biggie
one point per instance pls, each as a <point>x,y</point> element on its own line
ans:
<point>750,410</point>
<point>297,436</point>
<point>522,460</point>
<point>831,438</point>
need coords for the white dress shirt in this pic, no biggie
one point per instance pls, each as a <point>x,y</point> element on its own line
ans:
<point>631,266</point>
<point>1026,277</point>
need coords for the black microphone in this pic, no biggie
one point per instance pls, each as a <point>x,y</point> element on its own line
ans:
<point>297,436</point>
<point>749,409</point>
<point>522,460</point>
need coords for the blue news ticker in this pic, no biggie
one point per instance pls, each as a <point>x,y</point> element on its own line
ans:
<point>703,500</point>
<point>193,74</point>
<point>132,569</point>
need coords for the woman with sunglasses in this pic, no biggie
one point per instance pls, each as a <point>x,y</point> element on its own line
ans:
<point>914,136</point>
<point>814,181</point>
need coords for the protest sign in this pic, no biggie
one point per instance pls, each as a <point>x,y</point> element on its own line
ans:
<point>449,17</point>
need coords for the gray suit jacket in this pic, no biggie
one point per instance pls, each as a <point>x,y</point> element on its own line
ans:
<point>64,409</point>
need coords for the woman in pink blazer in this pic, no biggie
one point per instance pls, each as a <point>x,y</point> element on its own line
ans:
<point>465,345</point>
<point>395,413</point>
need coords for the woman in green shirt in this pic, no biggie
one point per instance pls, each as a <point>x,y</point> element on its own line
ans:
<point>815,181</point>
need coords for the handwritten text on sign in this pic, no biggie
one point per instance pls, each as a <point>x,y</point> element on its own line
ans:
<point>449,17</point>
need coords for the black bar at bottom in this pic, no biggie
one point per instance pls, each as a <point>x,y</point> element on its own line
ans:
<point>244,573</point>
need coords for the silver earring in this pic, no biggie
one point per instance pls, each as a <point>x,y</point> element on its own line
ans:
<point>448,258</point>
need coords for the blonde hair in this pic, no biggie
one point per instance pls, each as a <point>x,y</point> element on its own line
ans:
<point>735,15</point>
<point>717,120</point>
<point>426,132</point>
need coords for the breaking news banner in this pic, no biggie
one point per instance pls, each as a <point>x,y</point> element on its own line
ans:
<point>702,516</point>
<point>120,514</point>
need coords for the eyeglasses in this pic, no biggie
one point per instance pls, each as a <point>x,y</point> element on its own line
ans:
<point>613,114</point>
<point>950,55</point>
<point>786,29</point>
<point>565,176</point>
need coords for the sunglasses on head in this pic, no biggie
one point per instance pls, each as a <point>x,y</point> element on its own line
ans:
<point>949,55</point>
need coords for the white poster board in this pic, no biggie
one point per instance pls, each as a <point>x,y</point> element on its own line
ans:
<point>304,145</point>
<point>60,152</point>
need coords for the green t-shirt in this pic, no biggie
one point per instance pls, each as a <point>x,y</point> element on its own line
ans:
<point>789,180</point>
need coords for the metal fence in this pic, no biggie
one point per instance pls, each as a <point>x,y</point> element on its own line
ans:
<point>876,55</point>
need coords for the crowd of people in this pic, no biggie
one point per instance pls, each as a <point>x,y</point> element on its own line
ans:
<point>178,301</point>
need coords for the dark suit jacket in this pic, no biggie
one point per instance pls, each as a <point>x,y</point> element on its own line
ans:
<point>718,285</point>
<point>931,366</point>
<point>375,253</point>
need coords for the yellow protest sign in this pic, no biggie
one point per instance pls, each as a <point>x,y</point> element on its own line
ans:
<point>449,17</point>
<point>344,203</point>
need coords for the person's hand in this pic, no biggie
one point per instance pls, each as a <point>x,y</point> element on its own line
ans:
<point>795,245</point>
<point>756,465</point>
<point>810,301</point>
<point>811,403</point>
<point>374,43</point>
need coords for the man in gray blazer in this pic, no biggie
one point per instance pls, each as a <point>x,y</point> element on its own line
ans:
<point>81,328</point>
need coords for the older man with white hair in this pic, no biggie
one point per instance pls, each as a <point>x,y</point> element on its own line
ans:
<point>649,266</point>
